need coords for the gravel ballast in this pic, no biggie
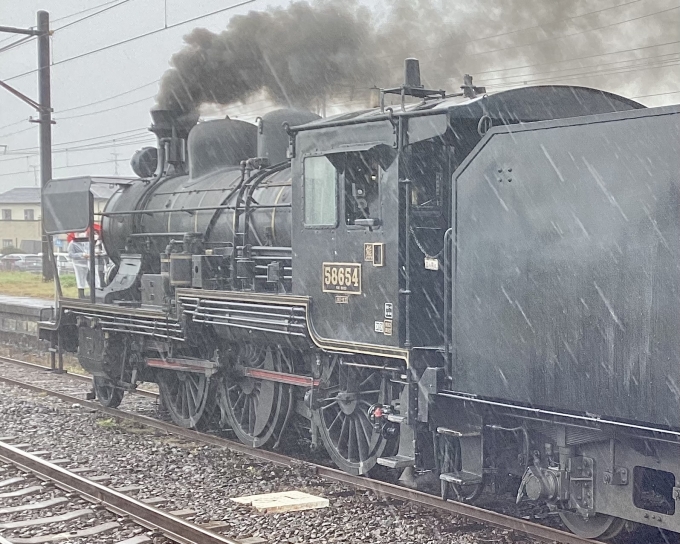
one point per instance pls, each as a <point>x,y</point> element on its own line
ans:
<point>204,478</point>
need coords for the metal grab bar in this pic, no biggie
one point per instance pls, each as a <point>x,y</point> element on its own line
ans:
<point>448,237</point>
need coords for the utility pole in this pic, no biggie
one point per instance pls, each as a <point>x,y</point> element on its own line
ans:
<point>44,108</point>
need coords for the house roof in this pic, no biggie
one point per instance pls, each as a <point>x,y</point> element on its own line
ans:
<point>31,195</point>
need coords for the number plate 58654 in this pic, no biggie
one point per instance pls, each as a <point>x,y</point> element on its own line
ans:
<point>343,277</point>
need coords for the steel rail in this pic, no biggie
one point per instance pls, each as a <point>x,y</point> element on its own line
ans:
<point>173,527</point>
<point>380,488</point>
<point>69,375</point>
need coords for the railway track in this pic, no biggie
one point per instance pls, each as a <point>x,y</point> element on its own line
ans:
<point>73,377</point>
<point>489,517</point>
<point>24,469</point>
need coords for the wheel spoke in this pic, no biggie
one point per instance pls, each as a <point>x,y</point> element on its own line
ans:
<point>343,431</point>
<point>352,448</point>
<point>366,428</point>
<point>371,392</point>
<point>367,380</point>
<point>337,418</point>
<point>362,440</point>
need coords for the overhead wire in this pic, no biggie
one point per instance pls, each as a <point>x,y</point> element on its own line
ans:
<point>84,10</point>
<point>91,15</point>
<point>572,34</point>
<point>20,41</point>
<point>138,37</point>
<point>525,76</point>
<point>145,99</point>
<point>541,25</point>
<point>108,97</point>
<point>60,167</point>
<point>18,131</point>
<point>596,73</point>
<point>552,62</point>
<point>87,139</point>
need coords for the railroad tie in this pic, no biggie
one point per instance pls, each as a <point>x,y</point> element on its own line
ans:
<point>45,539</point>
<point>12,481</point>
<point>33,506</point>
<point>139,539</point>
<point>45,521</point>
<point>30,490</point>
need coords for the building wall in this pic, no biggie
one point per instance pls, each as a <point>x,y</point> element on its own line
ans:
<point>18,230</point>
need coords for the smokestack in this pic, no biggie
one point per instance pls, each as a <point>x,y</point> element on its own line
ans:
<point>412,73</point>
<point>165,120</point>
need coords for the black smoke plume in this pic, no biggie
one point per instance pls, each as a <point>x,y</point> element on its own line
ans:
<point>307,54</point>
<point>297,55</point>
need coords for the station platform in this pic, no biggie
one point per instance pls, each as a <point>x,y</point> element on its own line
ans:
<point>19,317</point>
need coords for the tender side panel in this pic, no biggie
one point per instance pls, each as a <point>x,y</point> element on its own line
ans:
<point>567,278</point>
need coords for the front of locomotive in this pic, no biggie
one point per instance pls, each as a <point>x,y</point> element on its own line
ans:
<point>191,185</point>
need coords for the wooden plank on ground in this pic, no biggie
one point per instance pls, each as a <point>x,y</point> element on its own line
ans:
<point>284,501</point>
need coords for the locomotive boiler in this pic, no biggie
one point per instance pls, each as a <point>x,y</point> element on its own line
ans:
<point>480,287</point>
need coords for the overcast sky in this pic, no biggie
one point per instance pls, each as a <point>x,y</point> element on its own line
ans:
<point>103,141</point>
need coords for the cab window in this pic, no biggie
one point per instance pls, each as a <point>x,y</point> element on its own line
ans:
<point>363,175</point>
<point>320,192</point>
<point>428,160</point>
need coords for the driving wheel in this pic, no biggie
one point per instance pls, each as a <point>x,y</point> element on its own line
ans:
<point>256,409</point>
<point>188,398</point>
<point>341,414</point>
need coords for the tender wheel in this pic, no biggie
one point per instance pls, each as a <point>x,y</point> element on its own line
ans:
<point>188,398</point>
<point>107,394</point>
<point>449,461</point>
<point>254,408</point>
<point>600,526</point>
<point>345,395</point>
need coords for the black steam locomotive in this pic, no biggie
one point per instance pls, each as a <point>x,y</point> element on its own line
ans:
<point>484,287</point>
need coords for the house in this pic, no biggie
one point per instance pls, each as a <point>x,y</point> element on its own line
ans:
<point>20,216</point>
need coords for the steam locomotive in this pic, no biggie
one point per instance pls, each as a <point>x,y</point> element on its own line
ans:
<point>483,287</point>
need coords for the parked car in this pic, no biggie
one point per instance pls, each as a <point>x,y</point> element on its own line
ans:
<point>64,263</point>
<point>9,262</point>
<point>29,263</point>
